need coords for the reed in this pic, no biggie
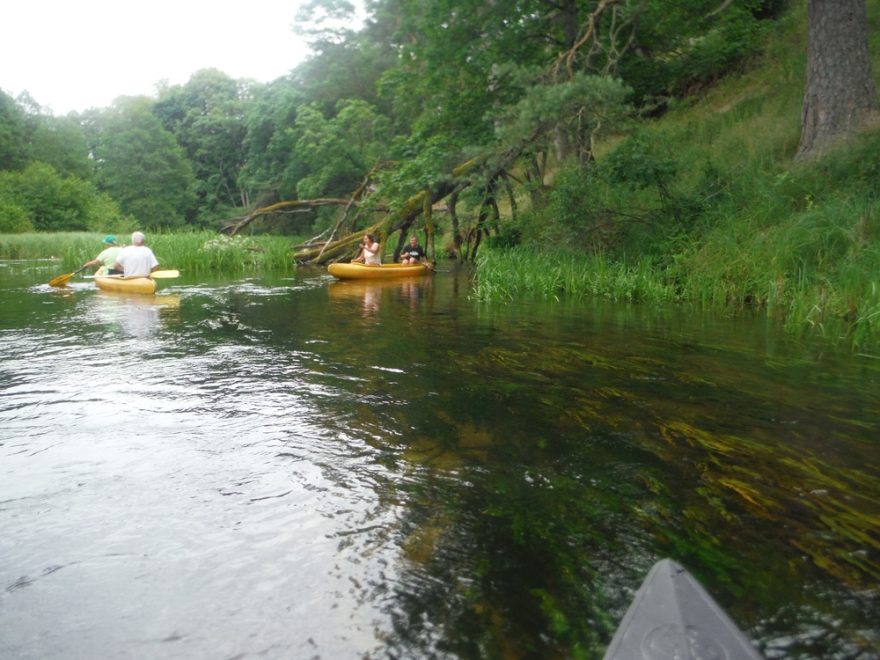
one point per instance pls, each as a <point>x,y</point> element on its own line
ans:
<point>521,271</point>
<point>195,252</point>
<point>66,247</point>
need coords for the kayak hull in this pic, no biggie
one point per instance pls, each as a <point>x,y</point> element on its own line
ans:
<point>142,285</point>
<point>672,616</point>
<point>349,271</point>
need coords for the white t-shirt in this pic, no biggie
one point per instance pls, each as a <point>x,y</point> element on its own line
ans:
<point>372,258</point>
<point>137,260</point>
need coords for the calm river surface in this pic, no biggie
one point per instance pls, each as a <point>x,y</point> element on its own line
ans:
<point>293,467</point>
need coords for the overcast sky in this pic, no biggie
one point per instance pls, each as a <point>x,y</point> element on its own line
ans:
<point>76,54</point>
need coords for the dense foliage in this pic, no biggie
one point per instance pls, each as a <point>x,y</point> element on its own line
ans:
<point>419,88</point>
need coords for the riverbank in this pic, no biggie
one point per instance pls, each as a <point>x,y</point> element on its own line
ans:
<point>708,205</point>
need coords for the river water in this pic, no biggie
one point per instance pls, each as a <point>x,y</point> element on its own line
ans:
<point>293,467</point>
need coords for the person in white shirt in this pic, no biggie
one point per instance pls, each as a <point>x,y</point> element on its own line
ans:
<point>136,260</point>
<point>369,254</point>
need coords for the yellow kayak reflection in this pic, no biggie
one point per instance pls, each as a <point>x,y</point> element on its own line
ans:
<point>163,300</point>
<point>372,292</point>
<point>136,315</point>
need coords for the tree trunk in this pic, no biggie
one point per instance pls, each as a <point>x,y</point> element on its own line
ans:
<point>452,203</point>
<point>840,96</point>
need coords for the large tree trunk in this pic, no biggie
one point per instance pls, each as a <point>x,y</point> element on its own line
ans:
<point>840,96</point>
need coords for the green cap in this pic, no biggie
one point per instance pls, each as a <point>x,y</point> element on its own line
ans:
<point>110,239</point>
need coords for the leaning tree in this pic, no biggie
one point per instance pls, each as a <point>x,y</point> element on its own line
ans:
<point>559,106</point>
<point>487,98</point>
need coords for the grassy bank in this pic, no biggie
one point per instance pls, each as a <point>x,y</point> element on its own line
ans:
<point>707,205</point>
<point>197,252</point>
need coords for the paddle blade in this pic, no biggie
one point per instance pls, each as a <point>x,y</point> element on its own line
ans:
<point>61,280</point>
<point>164,274</point>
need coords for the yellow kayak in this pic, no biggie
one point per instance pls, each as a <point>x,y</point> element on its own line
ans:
<point>349,271</point>
<point>144,285</point>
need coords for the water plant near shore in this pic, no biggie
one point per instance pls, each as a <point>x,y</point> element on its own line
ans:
<point>519,271</point>
<point>192,252</point>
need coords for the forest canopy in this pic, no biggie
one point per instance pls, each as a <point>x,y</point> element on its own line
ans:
<point>471,103</point>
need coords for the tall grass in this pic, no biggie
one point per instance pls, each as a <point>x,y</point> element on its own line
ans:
<point>196,252</point>
<point>67,247</point>
<point>520,271</point>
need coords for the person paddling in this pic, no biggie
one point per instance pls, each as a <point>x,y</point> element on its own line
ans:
<point>369,254</point>
<point>136,260</point>
<point>107,258</point>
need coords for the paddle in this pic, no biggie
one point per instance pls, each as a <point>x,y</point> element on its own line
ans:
<point>61,280</point>
<point>156,275</point>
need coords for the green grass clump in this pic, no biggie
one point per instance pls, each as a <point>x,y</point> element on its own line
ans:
<point>195,252</point>
<point>521,271</point>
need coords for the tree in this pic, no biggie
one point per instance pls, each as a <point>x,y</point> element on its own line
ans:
<point>207,118</point>
<point>270,171</point>
<point>13,134</point>
<point>840,96</point>
<point>61,143</point>
<point>141,165</point>
<point>39,198</point>
<point>505,85</point>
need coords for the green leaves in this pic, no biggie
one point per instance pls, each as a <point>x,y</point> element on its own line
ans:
<point>337,152</point>
<point>641,162</point>
<point>583,105</point>
<point>142,166</point>
<point>206,118</point>
<point>39,198</point>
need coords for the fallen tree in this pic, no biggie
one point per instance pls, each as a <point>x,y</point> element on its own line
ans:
<point>396,221</point>
<point>564,107</point>
<point>293,205</point>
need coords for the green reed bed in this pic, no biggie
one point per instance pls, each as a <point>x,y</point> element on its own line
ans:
<point>207,252</point>
<point>196,252</point>
<point>506,274</point>
<point>66,247</point>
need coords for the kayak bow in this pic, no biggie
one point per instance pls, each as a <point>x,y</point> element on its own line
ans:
<point>672,616</point>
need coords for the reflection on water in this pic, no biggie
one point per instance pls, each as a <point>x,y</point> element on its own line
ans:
<point>307,468</point>
<point>134,315</point>
<point>372,292</point>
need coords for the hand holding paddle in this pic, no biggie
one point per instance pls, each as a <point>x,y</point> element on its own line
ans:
<point>62,280</point>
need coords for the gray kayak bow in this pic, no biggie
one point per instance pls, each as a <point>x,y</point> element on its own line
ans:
<point>673,618</point>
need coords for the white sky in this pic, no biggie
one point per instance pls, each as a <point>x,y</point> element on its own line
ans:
<point>71,55</point>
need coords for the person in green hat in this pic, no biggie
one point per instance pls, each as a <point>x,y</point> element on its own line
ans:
<point>107,257</point>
